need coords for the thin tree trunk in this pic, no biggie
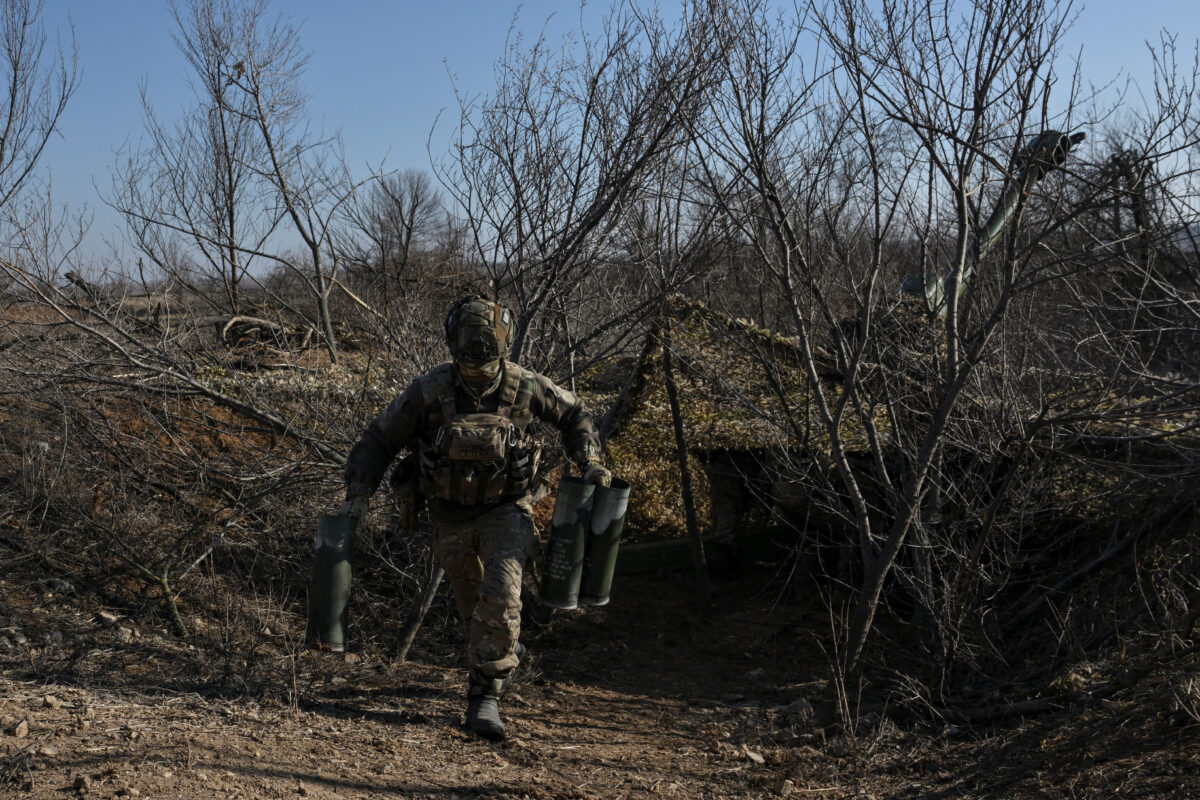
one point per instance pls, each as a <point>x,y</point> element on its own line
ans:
<point>323,309</point>
<point>417,615</point>
<point>703,591</point>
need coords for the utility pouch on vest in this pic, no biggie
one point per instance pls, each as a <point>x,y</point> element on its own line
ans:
<point>522,466</point>
<point>470,460</point>
<point>523,458</point>
<point>476,437</point>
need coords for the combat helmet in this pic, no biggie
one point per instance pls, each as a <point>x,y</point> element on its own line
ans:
<point>478,331</point>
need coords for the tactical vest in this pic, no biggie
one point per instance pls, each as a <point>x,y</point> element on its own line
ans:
<point>477,458</point>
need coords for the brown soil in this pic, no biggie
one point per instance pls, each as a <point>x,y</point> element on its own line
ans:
<point>643,698</point>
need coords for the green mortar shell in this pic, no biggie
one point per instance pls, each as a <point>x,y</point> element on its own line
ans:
<point>568,540</point>
<point>329,594</point>
<point>609,505</point>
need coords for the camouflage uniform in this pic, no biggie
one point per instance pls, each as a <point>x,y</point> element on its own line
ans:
<point>483,559</point>
<point>482,547</point>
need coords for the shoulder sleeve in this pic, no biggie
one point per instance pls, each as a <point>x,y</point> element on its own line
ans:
<point>389,433</point>
<point>561,408</point>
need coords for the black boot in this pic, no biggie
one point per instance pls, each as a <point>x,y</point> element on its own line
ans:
<point>483,700</point>
<point>483,707</point>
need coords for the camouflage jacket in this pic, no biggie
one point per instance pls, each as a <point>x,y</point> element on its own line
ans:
<point>412,421</point>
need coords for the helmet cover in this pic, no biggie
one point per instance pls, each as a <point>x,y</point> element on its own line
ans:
<point>478,331</point>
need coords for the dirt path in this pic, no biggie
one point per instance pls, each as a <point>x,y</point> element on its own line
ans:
<point>372,742</point>
<point>642,699</point>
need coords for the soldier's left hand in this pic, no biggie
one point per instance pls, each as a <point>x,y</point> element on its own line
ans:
<point>355,507</point>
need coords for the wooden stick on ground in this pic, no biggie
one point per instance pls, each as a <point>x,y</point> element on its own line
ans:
<point>417,615</point>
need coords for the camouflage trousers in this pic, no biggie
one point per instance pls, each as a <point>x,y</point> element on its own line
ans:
<point>484,560</point>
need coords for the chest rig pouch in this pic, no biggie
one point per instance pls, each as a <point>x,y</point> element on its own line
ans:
<point>483,457</point>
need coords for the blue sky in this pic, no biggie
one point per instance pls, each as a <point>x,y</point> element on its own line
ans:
<point>381,72</point>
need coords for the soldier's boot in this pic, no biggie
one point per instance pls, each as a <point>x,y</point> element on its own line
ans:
<point>483,701</point>
<point>483,707</point>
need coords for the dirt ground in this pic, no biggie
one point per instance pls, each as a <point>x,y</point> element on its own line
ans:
<point>642,698</point>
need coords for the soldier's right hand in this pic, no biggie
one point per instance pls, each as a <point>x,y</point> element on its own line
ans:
<point>595,473</point>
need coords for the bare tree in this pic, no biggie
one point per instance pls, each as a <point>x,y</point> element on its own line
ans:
<point>930,140</point>
<point>37,86</point>
<point>191,196</point>
<point>389,223</point>
<point>242,178</point>
<point>307,177</point>
<point>541,169</point>
<point>820,164</point>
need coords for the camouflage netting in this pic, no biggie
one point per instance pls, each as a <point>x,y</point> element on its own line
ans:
<point>742,389</point>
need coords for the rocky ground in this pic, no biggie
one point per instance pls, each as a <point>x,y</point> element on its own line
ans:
<point>643,698</point>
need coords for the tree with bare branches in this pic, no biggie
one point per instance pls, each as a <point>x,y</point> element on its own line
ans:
<point>884,154</point>
<point>38,87</point>
<point>191,194</point>
<point>242,179</point>
<point>389,225</point>
<point>543,168</point>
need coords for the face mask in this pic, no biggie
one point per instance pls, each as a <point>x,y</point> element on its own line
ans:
<point>479,374</point>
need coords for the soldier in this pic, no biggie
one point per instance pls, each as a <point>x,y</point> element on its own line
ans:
<point>465,424</point>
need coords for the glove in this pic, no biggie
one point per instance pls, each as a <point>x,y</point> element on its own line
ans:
<point>594,472</point>
<point>355,507</point>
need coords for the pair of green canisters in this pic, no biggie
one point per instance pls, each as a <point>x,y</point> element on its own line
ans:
<point>581,557</point>
<point>585,534</point>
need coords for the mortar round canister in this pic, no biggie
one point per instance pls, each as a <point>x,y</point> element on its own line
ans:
<point>329,593</point>
<point>568,541</point>
<point>609,504</point>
